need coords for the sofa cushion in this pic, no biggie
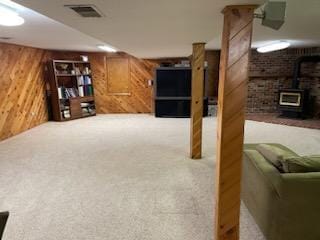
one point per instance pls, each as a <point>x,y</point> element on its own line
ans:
<point>274,154</point>
<point>301,164</point>
<point>313,157</point>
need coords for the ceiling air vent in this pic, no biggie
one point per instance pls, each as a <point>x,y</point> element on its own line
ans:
<point>5,38</point>
<point>86,11</point>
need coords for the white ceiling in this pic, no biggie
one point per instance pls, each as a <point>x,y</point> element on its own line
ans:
<point>42,32</point>
<point>151,29</point>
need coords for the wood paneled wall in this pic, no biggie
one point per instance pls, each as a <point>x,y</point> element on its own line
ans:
<point>23,102</point>
<point>124,91</point>
<point>22,84</point>
<point>22,89</point>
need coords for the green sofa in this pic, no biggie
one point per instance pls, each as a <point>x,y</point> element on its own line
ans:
<point>286,206</point>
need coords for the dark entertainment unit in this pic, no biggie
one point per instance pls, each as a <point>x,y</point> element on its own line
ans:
<point>173,92</point>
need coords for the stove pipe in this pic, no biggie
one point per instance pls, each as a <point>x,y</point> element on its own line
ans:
<point>297,68</point>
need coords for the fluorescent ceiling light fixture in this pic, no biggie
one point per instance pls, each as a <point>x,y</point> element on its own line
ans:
<point>9,17</point>
<point>107,48</point>
<point>274,47</point>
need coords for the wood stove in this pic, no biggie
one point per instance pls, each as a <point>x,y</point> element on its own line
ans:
<point>293,102</point>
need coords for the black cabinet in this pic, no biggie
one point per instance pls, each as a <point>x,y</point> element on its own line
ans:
<point>173,92</point>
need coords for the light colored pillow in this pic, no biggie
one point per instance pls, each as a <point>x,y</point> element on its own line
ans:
<point>301,164</point>
<point>274,154</point>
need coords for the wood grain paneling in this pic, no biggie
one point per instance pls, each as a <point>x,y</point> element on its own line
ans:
<point>234,61</point>
<point>22,80</point>
<point>139,99</point>
<point>118,75</point>
<point>22,89</point>
<point>197,89</point>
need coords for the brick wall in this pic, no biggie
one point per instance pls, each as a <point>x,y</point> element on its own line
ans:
<point>270,72</point>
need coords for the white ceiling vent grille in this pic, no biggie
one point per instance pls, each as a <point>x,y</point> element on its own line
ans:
<point>86,11</point>
<point>5,38</point>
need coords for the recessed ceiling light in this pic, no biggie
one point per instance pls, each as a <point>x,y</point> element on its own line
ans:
<point>9,17</point>
<point>107,48</point>
<point>12,5</point>
<point>274,47</point>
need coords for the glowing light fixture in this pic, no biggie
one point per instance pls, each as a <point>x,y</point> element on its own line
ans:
<point>274,47</point>
<point>107,48</point>
<point>9,17</point>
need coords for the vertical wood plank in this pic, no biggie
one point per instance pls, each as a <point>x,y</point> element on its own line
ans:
<point>198,57</point>
<point>236,42</point>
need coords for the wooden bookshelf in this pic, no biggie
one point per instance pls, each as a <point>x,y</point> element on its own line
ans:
<point>71,90</point>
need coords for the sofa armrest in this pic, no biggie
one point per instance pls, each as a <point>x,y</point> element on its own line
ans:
<point>267,170</point>
<point>301,186</point>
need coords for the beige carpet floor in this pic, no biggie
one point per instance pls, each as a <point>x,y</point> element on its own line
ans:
<point>121,177</point>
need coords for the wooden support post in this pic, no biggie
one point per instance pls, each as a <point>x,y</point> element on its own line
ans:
<point>235,51</point>
<point>197,90</point>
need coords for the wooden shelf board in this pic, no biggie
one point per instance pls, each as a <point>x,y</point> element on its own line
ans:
<point>71,118</point>
<point>80,98</point>
<point>69,61</point>
<point>85,98</point>
<point>71,75</point>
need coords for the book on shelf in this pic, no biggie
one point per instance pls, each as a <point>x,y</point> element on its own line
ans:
<point>92,110</point>
<point>71,84</point>
<point>64,107</point>
<point>88,90</point>
<point>81,91</point>
<point>88,111</point>
<point>80,80</point>
<point>66,113</point>
<point>60,93</point>
<point>86,70</point>
<point>71,92</point>
<point>84,80</point>
<point>86,104</point>
<point>65,93</point>
<point>77,71</point>
<point>87,80</point>
<point>85,110</point>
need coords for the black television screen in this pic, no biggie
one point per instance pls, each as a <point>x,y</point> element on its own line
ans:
<point>174,83</point>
